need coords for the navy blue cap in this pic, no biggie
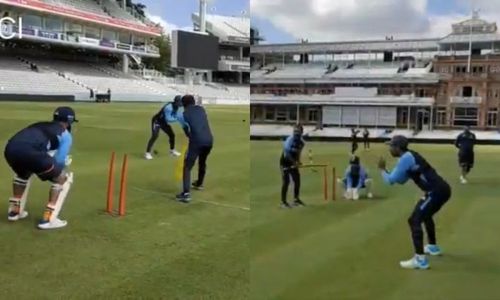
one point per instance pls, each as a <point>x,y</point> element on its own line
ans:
<point>65,114</point>
<point>399,141</point>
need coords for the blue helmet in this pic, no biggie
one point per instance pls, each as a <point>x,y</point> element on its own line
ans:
<point>65,114</point>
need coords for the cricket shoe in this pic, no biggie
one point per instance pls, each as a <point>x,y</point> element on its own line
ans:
<point>175,153</point>
<point>13,216</point>
<point>183,197</point>
<point>148,156</point>
<point>55,224</point>
<point>370,196</point>
<point>298,202</point>
<point>418,262</point>
<point>355,194</point>
<point>197,186</point>
<point>433,250</point>
<point>463,180</point>
<point>285,205</point>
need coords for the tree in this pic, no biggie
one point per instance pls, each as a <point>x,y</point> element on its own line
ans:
<point>162,63</point>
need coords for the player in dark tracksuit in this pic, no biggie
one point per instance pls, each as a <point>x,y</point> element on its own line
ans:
<point>289,165</point>
<point>366,138</point>
<point>169,113</point>
<point>437,192</point>
<point>465,143</point>
<point>354,140</point>
<point>197,128</point>
<point>27,153</point>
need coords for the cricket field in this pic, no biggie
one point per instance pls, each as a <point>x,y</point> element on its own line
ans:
<point>161,249</point>
<point>351,249</point>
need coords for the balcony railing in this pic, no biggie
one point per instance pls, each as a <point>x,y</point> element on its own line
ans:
<point>466,100</point>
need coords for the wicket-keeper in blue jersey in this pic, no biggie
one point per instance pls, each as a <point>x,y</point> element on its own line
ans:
<point>197,129</point>
<point>465,144</point>
<point>170,113</point>
<point>437,192</point>
<point>27,153</point>
<point>289,165</point>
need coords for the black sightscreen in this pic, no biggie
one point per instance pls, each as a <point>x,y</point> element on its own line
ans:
<point>196,51</point>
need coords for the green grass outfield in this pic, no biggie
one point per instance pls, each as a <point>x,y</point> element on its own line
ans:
<point>351,250</point>
<point>161,249</point>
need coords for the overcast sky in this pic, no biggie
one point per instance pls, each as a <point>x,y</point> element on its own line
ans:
<point>173,14</point>
<point>281,21</point>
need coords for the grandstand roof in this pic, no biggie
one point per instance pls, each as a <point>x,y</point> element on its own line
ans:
<point>229,29</point>
<point>484,35</point>
<point>85,15</point>
<point>405,100</point>
<point>406,45</point>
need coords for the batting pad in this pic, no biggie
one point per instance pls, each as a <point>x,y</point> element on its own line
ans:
<point>62,197</point>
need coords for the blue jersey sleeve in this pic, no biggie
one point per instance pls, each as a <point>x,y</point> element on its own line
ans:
<point>362,177</point>
<point>348,178</point>
<point>65,142</point>
<point>400,173</point>
<point>287,146</point>
<point>170,116</point>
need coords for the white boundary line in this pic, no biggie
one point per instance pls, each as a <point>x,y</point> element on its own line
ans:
<point>203,201</point>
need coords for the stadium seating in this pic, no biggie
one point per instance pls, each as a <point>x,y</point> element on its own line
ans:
<point>32,83</point>
<point>115,11</point>
<point>88,6</point>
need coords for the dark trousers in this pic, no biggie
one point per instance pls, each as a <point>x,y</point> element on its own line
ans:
<point>354,147</point>
<point>423,213</point>
<point>195,152</point>
<point>155,130</point>
<point>366,143</point>
<point>286,174</point>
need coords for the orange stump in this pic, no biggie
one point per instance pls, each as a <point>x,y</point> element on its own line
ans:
<point>111,184</point>
<point>123,187</point>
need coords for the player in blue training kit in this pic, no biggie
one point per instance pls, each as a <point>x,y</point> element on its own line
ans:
<point>355,179</point>
<point>28,153</point>
<point>412,165</point>
<point>465,143</point>
<point>197,129</point>
<point>170,113</point>
<point>289,165</point>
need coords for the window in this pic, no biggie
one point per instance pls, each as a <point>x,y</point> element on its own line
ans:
<point>109,35</point>
<point>270,112</point>
<point>93,33</point>
<point>256,112</point>
<point>281,113</point>
<point>467,91</point>
<point>54,25</point>
<point>292,114</point>
<point>441,116</point>
<point>444,69</point>
<point>465,116</point>
<point>32,22</point>
<point>312,115</point>
<point>492,117</point>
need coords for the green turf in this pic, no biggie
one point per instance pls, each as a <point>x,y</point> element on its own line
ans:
<point>161,249</point>
<point>351,250</point>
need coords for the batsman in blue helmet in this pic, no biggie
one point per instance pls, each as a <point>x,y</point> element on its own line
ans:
<point>42,149</point>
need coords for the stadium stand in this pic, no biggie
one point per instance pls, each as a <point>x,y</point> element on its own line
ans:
<point>87,6</point>
<point>112,8</point>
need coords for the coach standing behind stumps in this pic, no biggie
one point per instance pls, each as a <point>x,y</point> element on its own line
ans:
<point>197,129</point>
<point>412,165</point>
